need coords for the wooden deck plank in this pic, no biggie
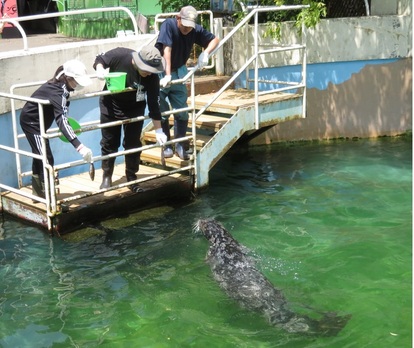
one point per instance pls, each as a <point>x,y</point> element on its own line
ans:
<point>232,100</point>
<point>207,121</point>
<point>202,139</point>
<point>153,156</point>
<point>81,183</point>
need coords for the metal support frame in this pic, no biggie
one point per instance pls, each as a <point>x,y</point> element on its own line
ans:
<point>15,21</point>
<point>194,168</point>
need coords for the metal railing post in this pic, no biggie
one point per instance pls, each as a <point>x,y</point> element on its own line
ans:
<point>256,70</point>
<point>15,21</point>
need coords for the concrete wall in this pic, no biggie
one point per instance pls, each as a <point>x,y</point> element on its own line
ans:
<point>390,7</point>
<point>40,63</point>
<point>332,40</point>
<point>359,76</point>
<point>374,101</point>
<point>379,48</point>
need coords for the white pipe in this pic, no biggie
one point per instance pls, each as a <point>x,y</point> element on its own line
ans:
<point>218,32</point>
<point>19,27</point>
<point>367,7</point>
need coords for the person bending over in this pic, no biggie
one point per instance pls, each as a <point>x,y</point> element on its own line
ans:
<point>142,70</point>
<point>68,77</point>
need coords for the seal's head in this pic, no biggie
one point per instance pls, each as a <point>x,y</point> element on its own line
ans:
<point>212,230</point>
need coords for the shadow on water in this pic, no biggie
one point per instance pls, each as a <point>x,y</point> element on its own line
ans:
<point>328,224</point>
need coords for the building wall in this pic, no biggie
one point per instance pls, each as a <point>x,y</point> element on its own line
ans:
<point>40,64</point>
<point>347,57</point>
<point>374,101</point>
<point>359,76</point>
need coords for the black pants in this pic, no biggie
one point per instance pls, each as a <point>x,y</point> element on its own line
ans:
<point>35,141</point>
<point>111,141</point>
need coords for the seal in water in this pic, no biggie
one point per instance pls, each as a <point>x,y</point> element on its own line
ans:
<point>237,275</point>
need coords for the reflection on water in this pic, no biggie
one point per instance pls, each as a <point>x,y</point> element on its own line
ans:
<point>329,224</point>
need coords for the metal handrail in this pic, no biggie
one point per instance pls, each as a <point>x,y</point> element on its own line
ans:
<point>15,21</point>
<point>254,13</point>
<point>51,201</point>
<point>49,172</point>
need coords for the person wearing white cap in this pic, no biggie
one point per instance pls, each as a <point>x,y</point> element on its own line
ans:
<point>68,77</point>
<point>142,70</point>
<point>175,42</point>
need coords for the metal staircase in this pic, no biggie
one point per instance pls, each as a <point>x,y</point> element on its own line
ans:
<point>221,124</point>
<point>218,120</point>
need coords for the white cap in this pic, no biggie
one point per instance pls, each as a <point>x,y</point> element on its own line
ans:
<point>76,69</point>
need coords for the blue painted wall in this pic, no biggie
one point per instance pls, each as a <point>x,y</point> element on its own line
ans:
<point>83,111</point>
<point>318,75</point>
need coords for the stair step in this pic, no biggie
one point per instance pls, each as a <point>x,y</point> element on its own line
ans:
<point>208,122</point>
<point>153,156</point>
<point>232,100</point>
<point>208,84</point>
<point>202,139</point>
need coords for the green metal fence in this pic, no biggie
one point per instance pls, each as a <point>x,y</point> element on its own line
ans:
<point>132,5</point>
<point>97,25</point>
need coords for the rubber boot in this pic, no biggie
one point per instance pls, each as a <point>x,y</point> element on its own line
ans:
<point>180,130</point>
<point>38,187</point>
<point>131,168</point>
<point>168,152</point>
<point>108,170</point>
<point>188,149</point>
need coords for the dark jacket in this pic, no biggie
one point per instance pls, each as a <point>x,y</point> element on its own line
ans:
<point>124,105</point>
<point>58,95</point>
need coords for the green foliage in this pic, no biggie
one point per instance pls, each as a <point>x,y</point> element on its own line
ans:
<point>310,16</point>
<point>175,5</point>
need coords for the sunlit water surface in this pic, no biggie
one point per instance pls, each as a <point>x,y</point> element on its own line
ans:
<point>329,224</point>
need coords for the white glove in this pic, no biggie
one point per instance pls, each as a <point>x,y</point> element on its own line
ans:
<point>85,152</point>
<point>165,81</point>
<point>101,72</point>
<point>202,59</point>
<point>161,137</point>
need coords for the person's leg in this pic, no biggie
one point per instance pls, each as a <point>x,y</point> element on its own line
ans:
<point>165,124</point>
<point>132,139</point>
<point>110,142</point>
<point>35,142</point>
<point>178,99</point>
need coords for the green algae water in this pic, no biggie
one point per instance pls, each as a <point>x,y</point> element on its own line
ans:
<point>328,224</point>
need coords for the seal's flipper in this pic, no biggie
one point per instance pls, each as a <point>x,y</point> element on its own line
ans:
<point>331,324</point>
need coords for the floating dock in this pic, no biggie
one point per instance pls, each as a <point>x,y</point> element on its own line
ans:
<point>166,190</point>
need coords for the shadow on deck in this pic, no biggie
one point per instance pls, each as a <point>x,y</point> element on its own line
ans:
<point>169,190</point>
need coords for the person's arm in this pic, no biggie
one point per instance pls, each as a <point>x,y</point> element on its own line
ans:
<point>152,84</point>
<point>157,124</point>
<point>167,57</point>
<point>165,81</point>
<point>209,42</point>
<point>212,45</point>
<point>101,72</point>
<point>59,99</point>
<point>60,105</point>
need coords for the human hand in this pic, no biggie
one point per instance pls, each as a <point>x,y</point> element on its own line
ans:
<point>165,81</point>
<point>202,59</point>
<point>161,137</point>
<point>101,72</point>
<point>85,152</point>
